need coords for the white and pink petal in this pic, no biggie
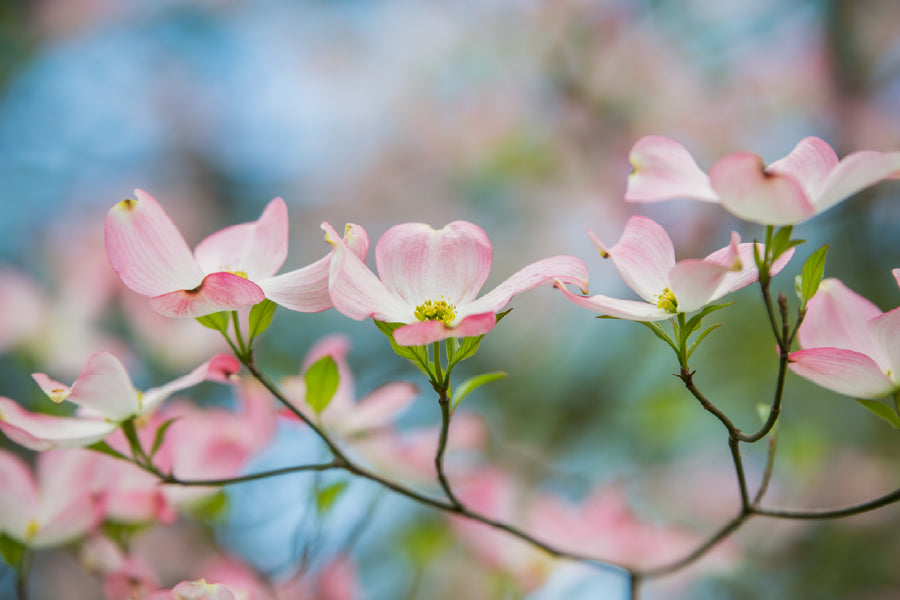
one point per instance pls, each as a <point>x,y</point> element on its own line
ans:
<point>837,317</point>
<point>146,249</point>
<point>856,172</point>
<point>217,292</point>
<point>644,256</point>
<point>632,310</point>
<point>46,432</point>
<point>663,170</point>
<point>843,371</point>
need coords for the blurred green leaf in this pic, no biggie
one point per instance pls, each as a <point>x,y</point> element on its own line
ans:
<point>882,411</point>
<point>328,495</point>
<point>471,384</point>
<point>217,321</point>
<point>12,551</point>
<point>322,381</point>
<point>812,274</point>
<point>260,317</point>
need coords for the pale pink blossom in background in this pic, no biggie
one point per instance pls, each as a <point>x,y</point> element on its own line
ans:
<point>429,279</point>
<point>105,397</point>
<point>848,345</point>
<point>806,182</point>
<point>51,505</point>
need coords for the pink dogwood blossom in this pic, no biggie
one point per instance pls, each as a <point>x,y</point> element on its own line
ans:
<point>849,345</point>
<point>51,506</point>
<point>106,398</point>
<point>228,270</point>
<point>645,259</point>
<point>429,279</point>
<point>806,182</point>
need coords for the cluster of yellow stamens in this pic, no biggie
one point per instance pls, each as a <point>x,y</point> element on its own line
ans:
<point>666,301</point>
<point>436,310</point>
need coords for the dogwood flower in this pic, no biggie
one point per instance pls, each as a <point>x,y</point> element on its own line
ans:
<point>428,279</point>
<point>645,259</point>
<point>849,345</point>
<point>106,398</point>
<point>806,182</point>
<point>230,269</point>
<point>50,506</point>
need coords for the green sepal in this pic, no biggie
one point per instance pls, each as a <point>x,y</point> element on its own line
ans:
<point>657,330</point>
<point>160,436</point>
<point>882,411</point>
<point>137,451</point>
<point>807,283</point>
<point>418,355</point>
<point>105,448</point>
<point>328,495</point>
<point>322,379</point>
<point>471,384</point>
<point>12,551</point>
<point>218,321</point>
<point>782,242</point>
<point>694,321</point>
<point>260,318</point>
<point>699,339</point>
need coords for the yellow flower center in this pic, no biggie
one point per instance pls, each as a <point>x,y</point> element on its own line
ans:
<point>436,310</point>
<point>666,301</point>
<point>31,529</point>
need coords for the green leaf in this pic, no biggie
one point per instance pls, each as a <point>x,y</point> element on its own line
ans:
<point>694,322</point>
<point>218,321</point>
<point>105,448</point>
<point>468,346</point>
<point>12,551</point>
<point>882,411</point>
<point>160,435</point>
<point>328,495</point>
<point>657,329</point>
<point>322,380</point>
<point>781,241</point>
<point>811,277</point>
<point>211,508</point>
<point>471,384</point>
<point>128,428</point>
<point>417,354</point>
<point>260,317</point>
<point>700,338</point>
<point>423,542</point>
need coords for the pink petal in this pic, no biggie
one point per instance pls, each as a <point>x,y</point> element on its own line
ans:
<point>896,273</point>
<point>694,281</point>
<point>885,332</point>
<point>418,263</point>
<point>842,371</point>
<point>631,310</point>
<point>217,292</point>
<point>104,387</point>
<point>567,269</point>
<point>258,248</point>
<point>426,332</point>
<point>644,256</point>
<point>220,368</point>
<point>750,192</point>
<point>18,492</point>
<point>45,432</point>
<point>380,408</point>
<point>837,317</point>
<point>664,169</point>
<point>147,250</point>
<point>747,274</point>
<point>808,164</point>
<point>306,289</point>
<point>855,172</point>
<point>356,292</point>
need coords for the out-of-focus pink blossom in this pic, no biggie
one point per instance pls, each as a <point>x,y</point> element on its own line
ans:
<point>429,279</point>
<point>645,259</point>
<point>849,345</point>
<point>52,505</point>
<point>106,398</point>
<point>806,182</point>
<point>230,269</point>
<point>196,590</point>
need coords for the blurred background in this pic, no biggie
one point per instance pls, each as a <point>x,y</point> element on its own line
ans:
<point>519,116</point>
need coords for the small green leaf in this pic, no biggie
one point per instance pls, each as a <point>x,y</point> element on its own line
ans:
<point>322,380</point>
<point>418,355</point>
<point>882,411</point>
<point>160,435</point>
<point>781,241</point>
<point>471,384</point>
<point>694,322</point>
<point>328,495</point>
<point>700,338</point>
<point>813,271</point>
<point>217,321</point>
<point>105,448</point>
<point>468,346</point>
<point>423,542</point>
<point>260,317</point>
<point>657,330</point>
<point>211,508</point>
<point>12,551</point>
